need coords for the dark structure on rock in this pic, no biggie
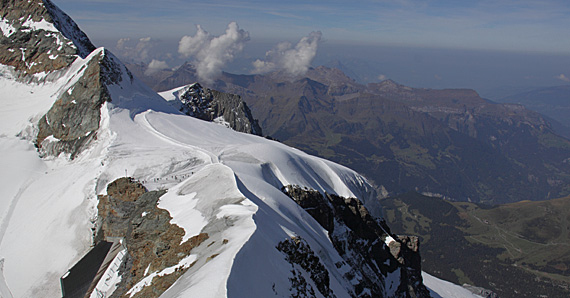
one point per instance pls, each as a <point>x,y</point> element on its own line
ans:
<point>131,212</point>
<point>81,280</point>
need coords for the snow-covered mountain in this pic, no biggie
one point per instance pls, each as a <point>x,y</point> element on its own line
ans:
<point>93,158</point>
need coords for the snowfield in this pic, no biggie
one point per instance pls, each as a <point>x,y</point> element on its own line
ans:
<point>212,174</point>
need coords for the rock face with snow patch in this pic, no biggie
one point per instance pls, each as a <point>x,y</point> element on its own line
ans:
<point>154,244</point>
<point>38,37</point>
<point>73,120</point>
<point>356,236</point>
<point>298,252</point>
<point>212,105</point>
<point>406,250</point>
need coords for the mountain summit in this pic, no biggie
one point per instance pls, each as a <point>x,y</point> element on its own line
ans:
<point>37,37</point>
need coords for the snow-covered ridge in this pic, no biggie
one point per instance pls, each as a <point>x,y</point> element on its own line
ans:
<point>211,180</point>
<point>151,145</point>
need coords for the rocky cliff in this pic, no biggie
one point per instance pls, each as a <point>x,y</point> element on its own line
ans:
<point>153,244</point>
<point>212,105</point>
<point>37,37</point>
<point>73,120</point>
<point>357,236</point>
<point>43,44</point>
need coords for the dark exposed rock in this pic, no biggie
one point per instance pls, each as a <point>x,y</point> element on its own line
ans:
<point>312,201</point>
<point>406,249</point>
<point>212,105</point>
<point>40,37</point>
<point>357,237</point>
<point>130,212</point>
<point>299,252</point>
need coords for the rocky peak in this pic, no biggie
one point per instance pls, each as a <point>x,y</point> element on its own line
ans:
<point>357,235</point>
<point>69,29</point>
<point>38,37</point>
<point>212,105</point>
<point>74,119</point>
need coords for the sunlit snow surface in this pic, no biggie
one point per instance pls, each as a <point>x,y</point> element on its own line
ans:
<point>219,181</point>
<point>443,289</point>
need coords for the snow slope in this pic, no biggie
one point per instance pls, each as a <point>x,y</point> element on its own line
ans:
<point>219,181</point>
<point>46,205</point>
<point>225,166</point>
<point>444,289</point>
<point>212,172</point>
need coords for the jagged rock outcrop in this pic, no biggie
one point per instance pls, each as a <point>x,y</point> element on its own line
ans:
<point>357,237</point>
<point>406,249</point>
<point>73,120</point>
<point>153,243</point>
<point>38,37</point>
<point>212,105</point>
<point>298,252</point>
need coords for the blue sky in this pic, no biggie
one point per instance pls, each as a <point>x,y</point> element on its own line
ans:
<point>429,43</point>
<point>525,25</point>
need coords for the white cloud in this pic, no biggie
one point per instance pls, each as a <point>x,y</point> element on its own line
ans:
<point>122,43</point>
<point>155,66</point>
<point>212,53</point>
<point>141,51</point>
<point>294,60</point>
<point>563,77</point>
<point>382,77</point>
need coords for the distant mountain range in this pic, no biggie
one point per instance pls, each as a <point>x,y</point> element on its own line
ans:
<point>553,102</point>
<point>450,143</point>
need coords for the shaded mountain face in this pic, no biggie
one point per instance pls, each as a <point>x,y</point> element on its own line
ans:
<point>553,102</point>
<point>451,143</point>
<point>516,250</point>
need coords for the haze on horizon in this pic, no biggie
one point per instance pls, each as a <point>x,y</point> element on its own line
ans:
<point>485,45</point>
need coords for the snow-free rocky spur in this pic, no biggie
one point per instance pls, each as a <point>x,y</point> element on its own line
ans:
<point>97,166</point>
